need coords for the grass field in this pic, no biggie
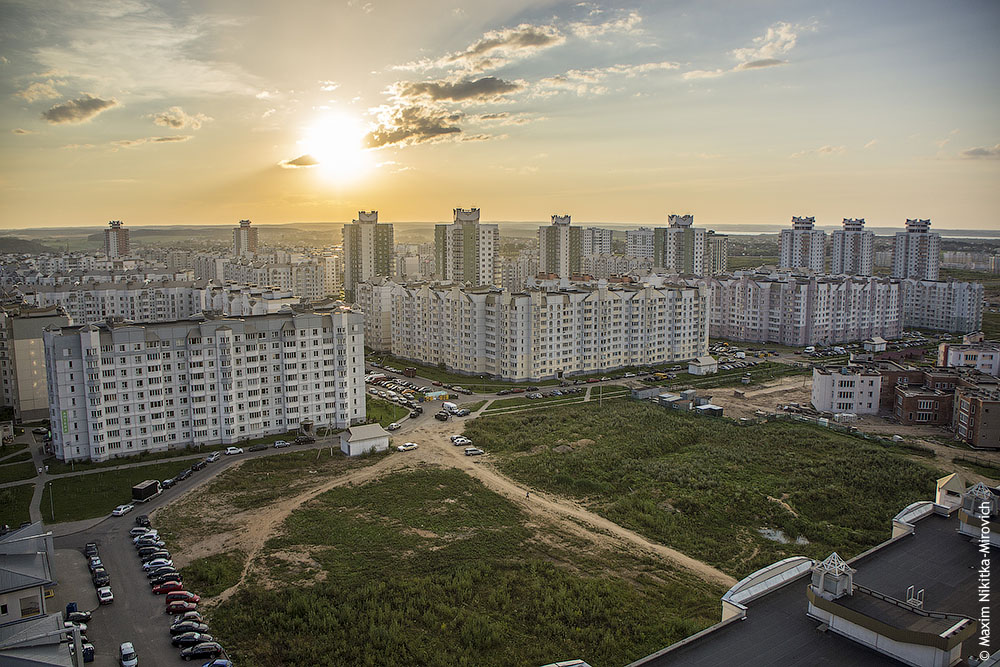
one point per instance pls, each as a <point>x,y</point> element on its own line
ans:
<point>88,496</point>
<point>707,486</point>
<point>383,412</point>
<point>17,458</point>
<point>749,261</point>
<point>213,574</point>
<point>474,382</point>
<point>14,503</point>
<point>15,472</point>
<point>991,325</point>
<point>428,567</point>
<point>983,468</point>
<point>472,407</point>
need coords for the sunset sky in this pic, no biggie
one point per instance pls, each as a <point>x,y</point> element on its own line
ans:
<point>737,112</point>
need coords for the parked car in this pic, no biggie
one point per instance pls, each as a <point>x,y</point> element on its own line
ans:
<point>167,483</point>
<point>122,510</point>
<point>180,606</point>
<point>213,457</point>
<point>203,650</point>
<point>160,571</point>
<point>143,550</point>
<point>462,412</point>
<point>178,628</point>
<point>168,586</point>
<point>189,616</point>
<point>258,448</point>
<point>219,662</point>
<point>156,555</point>
<point>407,446</point>
<point>394,426</point>
<point>185,596</point>
<point>95,562</point>
<point>200,465</point>
<point>149,542</point>
<point>90,549</point>
<point>278,444</point>
<point>168,578</point>
<point>127,656</point>
<point>39,430</point>
<point>142,520</point>
<point>154,564</point>
<point>190,638</point>
<point>71,625</point>
<point>104,595</point>
<point>233,450</point>
<point>182,475</point>
<point>146,532</point>
<point>441,416</point>
<point>100,577</point>
<point>473,451</point>
<point>78,616</point>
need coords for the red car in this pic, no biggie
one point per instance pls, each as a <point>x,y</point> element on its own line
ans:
<point>168,586</point>
<point>182,596</point>
<point>179,607</point>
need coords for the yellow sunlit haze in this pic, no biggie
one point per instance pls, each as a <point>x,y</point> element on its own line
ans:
<point>336,142</point>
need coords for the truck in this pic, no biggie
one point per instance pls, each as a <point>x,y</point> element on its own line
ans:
<point>143,491</point>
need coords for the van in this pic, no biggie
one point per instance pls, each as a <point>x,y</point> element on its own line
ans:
<point>810,349</point>
<point>450,407</point>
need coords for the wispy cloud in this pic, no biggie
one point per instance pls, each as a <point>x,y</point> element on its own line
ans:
<point>132,143</point>
<point>941,143</point>
<point>591,81</point>
<point>625,24</point>
<point>982,153</point>
<point>39,90</point>
<point>871,143</point>
<point>495,49</point>
<point>766,50</point>
<point>822,151</point>
<point>413,124</point>
<point>177,118</point>
<point>21,130</point>
<point>302,161</point>
<point>703,74</point>
<point>329,86</point>
<point>79,110</point>
<point>485,89</point>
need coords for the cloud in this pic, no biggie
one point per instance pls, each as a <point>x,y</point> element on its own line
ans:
<point>177,118</point>
<point>941,143</point>
<point>626,24</point>
<point>21,130</point>
<point>79,110</point>
<point>299,162</point>
<point>39,90</point>
<point>486,89</point>
<point>506,118</point>
<point>702,74</point>
<point>589,81</point>
<point>132,143</point>
<point>779,39</point>
<point>495,48</point>
<point>329,86</point>
<point>406,125</point>
<point>822,151</point>
<point>982,152</point>
<point>74,147</point>
<point>756,64</point>
<point>871,143</point>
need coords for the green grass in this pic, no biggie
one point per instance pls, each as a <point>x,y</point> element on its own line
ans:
<point>10,448</point>
<point>503,403</point>
<point>23,456</point>
<point>980,467</point>
<point>14,503</point>
<point>16,472</point>
<point>991,325</point>
<point>213,574</point>
<point>701,484</point>
<point>473,382</point>
<point>383,412</point>
<point>428,567</point>
<point>96,494</point>
<point>735,262</point>
<point>472,407</point>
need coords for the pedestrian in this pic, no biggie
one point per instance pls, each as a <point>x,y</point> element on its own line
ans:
<point>527,494</point>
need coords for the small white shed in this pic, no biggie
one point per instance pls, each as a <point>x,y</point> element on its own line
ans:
<point>362,439</point>
<point>703,366</point>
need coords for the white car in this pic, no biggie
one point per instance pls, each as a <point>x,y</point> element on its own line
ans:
<point>104,595</point>
<point>394,426</point>
<point>149,533</point>
<point>407,446</point>
<point>122,510</point>
<point>460,441</point>
<point>127,656</point>
<point>156,563</point>
<point>233,450</point>
<point>278,444</point>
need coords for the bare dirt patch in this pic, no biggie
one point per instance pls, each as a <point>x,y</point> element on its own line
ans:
<point>766,397</point>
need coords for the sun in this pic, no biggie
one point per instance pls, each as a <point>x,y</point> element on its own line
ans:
<point>336,142</point>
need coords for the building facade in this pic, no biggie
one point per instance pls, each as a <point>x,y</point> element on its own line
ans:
<point>116,242</point>
<point>681,247</point>
<point>374,299</point>
<point>515,272</point>
<point>853,249</point>
<point>22,359</point>
<point>596,241</point>
<point>717,254</point>
<point>983,356</point>
<point>118,390</point>
<point>803,246</point>
<point>244,239</point>
<point>848,389</point>
<point>943,305</point>
<point>605,266</point>
<point>639,243</point>
<point>368,250</point>
<point>467,251</point>
<point>560,246</point>
<point>917,252</point>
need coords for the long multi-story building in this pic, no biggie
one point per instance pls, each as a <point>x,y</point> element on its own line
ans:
<point>853,249</point>
<point>516,271</point>
<point>117,390</point>
<point>468,251</point>
<point>596,241</point>
<point>547,331</point>
<point>803,246</point>
<point>640,243</point>
<point>244,239</point>
<point>368,250</point>
<point>717,254</point>
<point>681,247</point>
<point>116,240</point>
<point>917,252</point>
<point>560,246</point>
<point>374,299</point>
<point>605,266</point>
<point>22,359</point>
<point>943,305</point>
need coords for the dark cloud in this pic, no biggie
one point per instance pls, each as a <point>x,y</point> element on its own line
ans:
<point>486,89</point>
<point>980,152</point>
<point>524,36</point>
<point>413,124</point>
<point>493,116</point>
<point>300,161</point>
<point>766,62</point>
<point>78,110</point>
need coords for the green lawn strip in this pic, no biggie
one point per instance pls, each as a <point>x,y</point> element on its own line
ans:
<point>431,568</point>
<point>734,262</point>
<point>87,496</point>
<point>12,447</point>
<point>502,403</point>
<point>702,485</point>
<point>980,467</point>
<point>16,472</point>
<point>14,503</point>
<point>383,412</point>
<point>472,407</point>
<point>213,574</point>
<point>17,458</point>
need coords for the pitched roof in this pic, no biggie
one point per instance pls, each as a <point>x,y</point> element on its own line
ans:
<point>365,432</point>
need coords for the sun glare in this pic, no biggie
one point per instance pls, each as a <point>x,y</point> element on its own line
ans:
<point>336,142</point>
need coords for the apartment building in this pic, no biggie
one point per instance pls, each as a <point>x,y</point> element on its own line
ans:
<point>977,414</point>
<point>22,359</point>
<point>983,356</point>
<point>368,250</point>
<point>640,243</point>
<point>917,252</point>
<point>245,241</point>
<point>515,272</point>
<point>803,246</point>
<point>466,250</point>
<point>717,254</point>
<point>681,247</point>
<point>373,298</point>
<point>560,246</point>
<point>121,389</point>
<point>848,389</point>
<point>596,241</point>
<point>547,331</point>
<point>943,305</point>
<point>853,249</point>
<point>605,266</point>
<point>116,242</point>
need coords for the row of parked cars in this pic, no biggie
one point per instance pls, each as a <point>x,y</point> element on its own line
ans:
<point>462,441</point>
<point>567,391</point>
<point>188,630</point>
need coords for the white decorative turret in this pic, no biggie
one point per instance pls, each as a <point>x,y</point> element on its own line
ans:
<point>833,578</point>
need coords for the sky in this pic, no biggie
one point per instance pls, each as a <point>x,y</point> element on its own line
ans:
<point>749,112</point>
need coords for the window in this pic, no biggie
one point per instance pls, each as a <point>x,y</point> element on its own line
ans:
<point>30,606</point>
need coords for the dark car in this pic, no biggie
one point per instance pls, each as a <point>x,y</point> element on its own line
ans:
<point>160,571</point>
<point>78,616</point>
<point>90,549</point>
<point>257,448</point>
<point>441,416</point>
<point>167,483</point>
<point>203,650</point>
<point>189,616</point>
<point>170,577</point>
<point>200,465</point>
<point>190,639</point>
<point>142,520</point>
<point>183,475</point>
<point>101,577</point>
<point>149,542</point>
<point>153,555</point>
<point>187,626</point>
<point>143,551</point>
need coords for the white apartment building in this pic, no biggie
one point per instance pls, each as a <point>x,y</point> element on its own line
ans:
<point>373,298</point>
<point>640,243</point>
<point>466,250</point>
<point>368,250</point>
<point>983,356</point>
<point>116,240</point>
<point>853,249</point>
<point>559,247</point>
<point>917,253</point>
<point>548,331</point>
<point>244,239</point>
<point>802,246</point>
<point>208,266</point>
<point>943,305</point>
<point>22,359</point>
<point>125,389</point>
<point>605,266</point>
<point>596,241</point>
<point>848,389</point>
<point>517,271</point>
<point>717,254</point>
<point>681,247</point>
